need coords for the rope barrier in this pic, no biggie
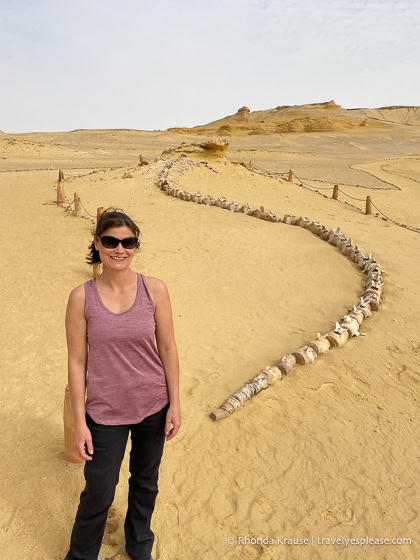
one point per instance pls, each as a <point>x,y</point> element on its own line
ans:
<point>405,226</point>
<point>272,174</point>
<point>394,187</point>
<point>301,179</point>
<point>319,188</point>
<point>86,210</point>
<point>71,204</point>
<point>65,209</point>
<point>345,194</point>
<point>49,169</point>
<point>302,184</point>
<point>398,174</point>
<point>313,189</point>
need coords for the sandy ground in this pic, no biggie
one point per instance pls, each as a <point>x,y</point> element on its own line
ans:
<point>330,451</point>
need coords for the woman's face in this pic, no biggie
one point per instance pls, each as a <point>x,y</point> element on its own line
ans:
<point>118,258</point>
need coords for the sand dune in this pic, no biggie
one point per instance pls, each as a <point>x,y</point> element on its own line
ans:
<point>329,451</point>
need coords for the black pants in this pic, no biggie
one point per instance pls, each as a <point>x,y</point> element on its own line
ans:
<point>102,475</point>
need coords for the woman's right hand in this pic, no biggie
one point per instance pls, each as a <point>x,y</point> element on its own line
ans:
<point>83,436</point>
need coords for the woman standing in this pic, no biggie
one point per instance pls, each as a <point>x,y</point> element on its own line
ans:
<point>132,386</point>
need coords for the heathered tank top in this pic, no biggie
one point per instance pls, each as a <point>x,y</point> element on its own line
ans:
<point>125,376</point>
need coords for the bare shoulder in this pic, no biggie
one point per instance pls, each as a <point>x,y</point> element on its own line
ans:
<point>77,295</point>
<point>76,300</point>
<point>156,287</point>
<point>76,325</point>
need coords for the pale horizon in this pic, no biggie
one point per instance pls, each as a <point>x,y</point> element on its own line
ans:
<point>139,66</point>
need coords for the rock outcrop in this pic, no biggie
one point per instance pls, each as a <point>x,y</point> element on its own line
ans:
<point>316,117</point>
<point>395,114</point>
<point>243,114</point>
<point>215,148</point>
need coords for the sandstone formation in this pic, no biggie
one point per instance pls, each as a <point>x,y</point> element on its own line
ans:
<point>215,148</point>
<point>394,114</point>
<point>315,117</point>
<point>243,114</point>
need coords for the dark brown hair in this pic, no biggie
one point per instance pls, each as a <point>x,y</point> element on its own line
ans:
<point>111,217</point>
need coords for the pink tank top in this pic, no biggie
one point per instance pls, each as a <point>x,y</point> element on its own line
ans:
<point>125,376</point>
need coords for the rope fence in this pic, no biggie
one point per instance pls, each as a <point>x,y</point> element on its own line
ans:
<point>368,201</point>
<point>290,176</point>
<point>78,205</point>
<point>300,182</point>
<point>49,169</point>
<point>391,187</point>
<point>352,197</point>
<point>285,174</point>
<point>85,209</point>
<point>67,207</point>
<point>411,228</point>
<point>400,174</point>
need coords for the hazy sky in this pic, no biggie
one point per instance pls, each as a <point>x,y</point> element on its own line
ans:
<point>154,64</point>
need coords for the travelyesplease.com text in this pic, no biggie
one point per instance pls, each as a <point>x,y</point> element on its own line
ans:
<point>317,541</point>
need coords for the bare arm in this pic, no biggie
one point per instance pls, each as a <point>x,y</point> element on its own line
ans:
<point>165,341</point>
<point>77,367</point>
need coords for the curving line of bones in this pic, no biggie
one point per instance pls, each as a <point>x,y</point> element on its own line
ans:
<point>347,328</point>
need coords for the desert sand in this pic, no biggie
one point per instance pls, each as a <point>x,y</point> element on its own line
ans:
<point>331,450</point>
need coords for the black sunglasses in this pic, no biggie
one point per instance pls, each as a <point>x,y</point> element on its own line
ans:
<point>110,242</point>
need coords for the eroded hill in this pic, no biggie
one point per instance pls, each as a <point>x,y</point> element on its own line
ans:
<point>316,117</point>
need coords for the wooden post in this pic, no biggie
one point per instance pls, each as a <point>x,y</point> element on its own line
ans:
<point>291,176</point>
<point>77,205</point>
<point>60,175</point>
<point>97,266</point>
<point>70,451</point>
<point>60,194</point>
<point>368,205</point>
<point>335,192</point>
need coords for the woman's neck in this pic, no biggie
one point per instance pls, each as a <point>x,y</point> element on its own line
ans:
<point>117,280</point>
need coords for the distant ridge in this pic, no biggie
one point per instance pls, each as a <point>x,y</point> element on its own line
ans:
<point>106,130</point>
<point>396,114</point>
<point>327,116</point>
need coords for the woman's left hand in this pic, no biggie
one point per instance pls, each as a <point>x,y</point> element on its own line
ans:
<point>173,416</point>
